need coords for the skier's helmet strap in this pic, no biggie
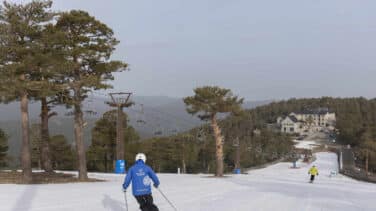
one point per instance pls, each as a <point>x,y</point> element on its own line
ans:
<point>140,156</point>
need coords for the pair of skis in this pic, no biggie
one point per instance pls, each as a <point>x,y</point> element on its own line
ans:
<point>160,191</point>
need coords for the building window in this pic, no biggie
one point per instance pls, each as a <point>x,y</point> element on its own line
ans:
<point>291,129</point>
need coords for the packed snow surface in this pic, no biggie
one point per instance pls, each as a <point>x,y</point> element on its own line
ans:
<point>277,187</point>
<point>305,144</point>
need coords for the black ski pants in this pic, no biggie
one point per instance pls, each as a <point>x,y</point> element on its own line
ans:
<point>312,177</point>
<point>146,203</point>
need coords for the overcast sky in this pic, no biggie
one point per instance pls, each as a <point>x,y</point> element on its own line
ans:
<point>265,49</point>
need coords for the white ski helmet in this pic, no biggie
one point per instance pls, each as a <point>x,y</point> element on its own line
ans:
<point>141,156</point>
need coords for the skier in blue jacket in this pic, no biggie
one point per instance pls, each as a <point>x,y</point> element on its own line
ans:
<point>141,175</point>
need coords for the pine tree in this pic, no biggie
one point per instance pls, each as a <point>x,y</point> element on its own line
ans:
<point>62,153</point>
<point>20,35</point>
<point>88,45</point>
<point>36,146</point>
<point>51,62</point>
<point>207,103</point>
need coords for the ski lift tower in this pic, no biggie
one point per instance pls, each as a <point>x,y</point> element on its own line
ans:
<point>120,100</point>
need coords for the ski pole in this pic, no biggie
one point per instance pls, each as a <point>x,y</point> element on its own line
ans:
<point>164,196</point>
<point>126,202</point>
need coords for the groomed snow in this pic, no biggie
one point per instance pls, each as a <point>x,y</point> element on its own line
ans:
<point>277,187</point>
<point>304,144</point>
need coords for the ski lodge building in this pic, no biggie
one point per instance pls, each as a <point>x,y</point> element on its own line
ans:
<point>307,121</point>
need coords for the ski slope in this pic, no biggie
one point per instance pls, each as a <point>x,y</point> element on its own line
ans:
<point>276,187</point>
<point>306,144</point>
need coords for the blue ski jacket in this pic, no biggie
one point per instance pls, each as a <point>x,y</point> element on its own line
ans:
<point>140,175</point>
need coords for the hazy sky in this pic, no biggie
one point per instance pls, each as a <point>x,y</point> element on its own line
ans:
<point>269,49</point>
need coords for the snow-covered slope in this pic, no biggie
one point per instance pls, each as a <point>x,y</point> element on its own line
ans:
<point>305,144</point>
<point>276,187</point>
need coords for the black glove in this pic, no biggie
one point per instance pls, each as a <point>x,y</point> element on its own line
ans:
<point>155,185</point>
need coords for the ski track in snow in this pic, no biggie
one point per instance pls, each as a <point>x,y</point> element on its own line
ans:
<point>277,187</point>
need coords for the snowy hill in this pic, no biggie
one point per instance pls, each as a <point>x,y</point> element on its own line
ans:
<point>276,187</point>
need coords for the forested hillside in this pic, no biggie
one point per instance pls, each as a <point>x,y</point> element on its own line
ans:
<point>163,114</point>
<point>356,118</point>
<point>194,151</point>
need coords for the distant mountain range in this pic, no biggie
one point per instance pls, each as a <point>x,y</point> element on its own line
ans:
<point>161,114</point>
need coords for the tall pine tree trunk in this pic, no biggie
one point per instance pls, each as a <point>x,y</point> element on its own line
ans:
<point>105,162</point>
<point>45,136</point>
<point>119,135</point>
<point>25,149</point>
<point>219,146</point>
<point>78,135</point>
<point>237,155</point>
<point>184,170</point>
<point>367,155</point>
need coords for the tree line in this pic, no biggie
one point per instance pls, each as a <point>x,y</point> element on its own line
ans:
<point>194,151</point>
<point>210,148</point>
<point>356,121</point>
<point>3,149</point>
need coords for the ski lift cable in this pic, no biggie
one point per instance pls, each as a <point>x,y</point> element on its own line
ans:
<point>158,130</point>
<point>179,119</point>
<point>171,115</point>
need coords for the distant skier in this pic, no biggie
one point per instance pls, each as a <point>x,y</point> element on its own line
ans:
<point>141,175</point>
<point>313,172</point>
